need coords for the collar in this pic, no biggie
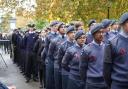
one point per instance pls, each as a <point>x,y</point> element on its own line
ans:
<point>123,34</point>
<point>62,36</point>
<point>94,42</point>
<point>114,31</point>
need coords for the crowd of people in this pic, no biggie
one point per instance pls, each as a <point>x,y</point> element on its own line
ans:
<point>66,56</point>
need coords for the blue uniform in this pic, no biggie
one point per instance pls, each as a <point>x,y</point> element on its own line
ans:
<point>60,55</point>
<point>30,40</point>
<point>112,34</point>
<point>52,53</point>
<point>89,38</point>
<point>91,66</point>
<point>49,64</point>
<point>70,62</point>
<point>106,37</point>
<point>116,62</point>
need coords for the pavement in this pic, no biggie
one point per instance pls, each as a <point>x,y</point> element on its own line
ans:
<point>11,75</point>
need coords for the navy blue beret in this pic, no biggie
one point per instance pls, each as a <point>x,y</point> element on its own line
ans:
<point>123,18</point>
<point>70,29</point>
<point>96,27</point>
<point>79,34</point>
<point>91,22</point>
<point>106,23</point>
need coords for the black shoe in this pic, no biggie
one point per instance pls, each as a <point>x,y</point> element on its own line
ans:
<point>27,80</point>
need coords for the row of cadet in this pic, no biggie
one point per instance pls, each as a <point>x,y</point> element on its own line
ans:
<point>65,57</point>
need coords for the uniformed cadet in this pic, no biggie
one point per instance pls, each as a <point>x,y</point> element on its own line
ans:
<point>49,64</point>
<point>70,32</point>
<point>116,58</point>
<point>70,62</point>
<point>52,53</point>
<point>38,48</point>
<point>30,40</point>
<point>91,61</point>
<point>106,23</point>
<point>79,25</point>
<point>114,29</point>
<point>89,35</point>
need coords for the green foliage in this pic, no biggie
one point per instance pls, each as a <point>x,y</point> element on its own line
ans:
<point>68,10</point>
<point>40,24</point>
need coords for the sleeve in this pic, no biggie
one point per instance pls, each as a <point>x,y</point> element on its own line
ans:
<point>83,66</point>
<point>107,64</point>
<point>66,60</point>
<point>43,55</point>
<point>47,42</point>
<point>60,55</point>
<point>36,46</point>
<point>51,49</point>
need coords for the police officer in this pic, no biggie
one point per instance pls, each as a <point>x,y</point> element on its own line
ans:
<point>71,60</point>
<point>52,53</point>
<point>44,55</point>
<point>30,40</point>
<point>116,58</point>
<point>91,61</point>
<point>70,33</point>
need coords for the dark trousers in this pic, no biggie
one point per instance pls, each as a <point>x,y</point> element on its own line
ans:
<point>57,78</point>
<point>30,66</point>
<point>15,59</point>
<point>117,85</point>
<point>64,75</point>
<point>50,75</point>
<point>95,86</point>
<point>42,77</point>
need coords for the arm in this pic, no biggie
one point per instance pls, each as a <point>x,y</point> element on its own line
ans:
<point>60,55</point>
<point>66,59</point>
<point>36,46</point>
<point>83,66</point>
<point>51,50</point>
<point>107,65</point>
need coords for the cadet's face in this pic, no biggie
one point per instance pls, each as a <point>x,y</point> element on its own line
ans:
<point>106,29</point>
<point>80,27</point>
<point>30,29</point>
<point>81,40</point>
<point>54,28</point>
<point>71,35</point>
<point>115,27</point>
<point>62,29</point>
<point>98,36</point>
<point>125,26</point>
